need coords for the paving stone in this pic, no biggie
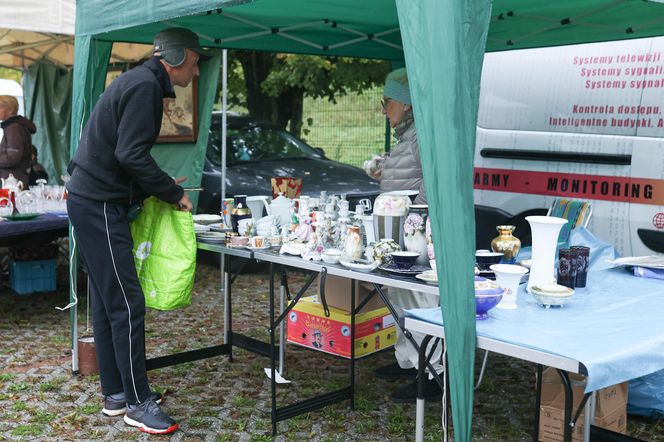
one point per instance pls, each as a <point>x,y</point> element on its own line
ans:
<point>217,400</point>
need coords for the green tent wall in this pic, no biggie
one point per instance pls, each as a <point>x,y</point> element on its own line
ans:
<point>443,42</point>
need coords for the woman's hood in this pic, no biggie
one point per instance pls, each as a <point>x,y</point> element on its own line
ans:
<point>19,119</point>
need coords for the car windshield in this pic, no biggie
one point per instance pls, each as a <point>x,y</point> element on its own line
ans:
<point>257,143</point>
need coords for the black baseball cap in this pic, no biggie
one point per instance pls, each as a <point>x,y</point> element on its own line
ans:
<point>172,42</point>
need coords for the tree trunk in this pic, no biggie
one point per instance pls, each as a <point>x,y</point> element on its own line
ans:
<point>256,67</point>
<point>290,109</point>
<point>280,110</point>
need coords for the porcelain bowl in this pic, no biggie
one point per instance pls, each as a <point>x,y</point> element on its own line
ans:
<point>487,295</point>
<point>404,260</point>
<point>551,295</point>
<point>486,258</point>
<point>331,256</point>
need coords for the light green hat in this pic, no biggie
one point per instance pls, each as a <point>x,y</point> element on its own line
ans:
<point>396,86</point>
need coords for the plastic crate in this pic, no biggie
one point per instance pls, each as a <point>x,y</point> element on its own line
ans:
<point>27,277</point>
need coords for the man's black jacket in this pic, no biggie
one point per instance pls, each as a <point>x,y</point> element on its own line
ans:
<point>113,161</point>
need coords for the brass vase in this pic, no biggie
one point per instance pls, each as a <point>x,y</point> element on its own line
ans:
<point>506,243</point>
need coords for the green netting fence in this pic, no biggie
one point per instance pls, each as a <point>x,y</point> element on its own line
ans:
<point>350,130</point>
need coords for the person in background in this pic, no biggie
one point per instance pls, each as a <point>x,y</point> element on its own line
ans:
<point>111,172</point>
<point>16,141</point>
<point>36,171</point>
<point>400,169</point>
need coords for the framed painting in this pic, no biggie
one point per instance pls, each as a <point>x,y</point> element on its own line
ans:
<point>179,124</point>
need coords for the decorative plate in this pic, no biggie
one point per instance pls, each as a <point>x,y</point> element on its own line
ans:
<point>21,216</point>
<point>359,265</point>
<point>413,271</point>
<point>429,276</point>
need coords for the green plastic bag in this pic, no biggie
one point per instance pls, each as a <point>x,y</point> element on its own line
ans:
<point>165,254</point>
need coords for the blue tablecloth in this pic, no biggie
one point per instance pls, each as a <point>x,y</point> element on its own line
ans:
<point>43,223</point>
<point>614,327</point>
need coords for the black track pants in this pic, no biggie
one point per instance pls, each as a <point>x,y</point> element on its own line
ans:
<point>104,241</point>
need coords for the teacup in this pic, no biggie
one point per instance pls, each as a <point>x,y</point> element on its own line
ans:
<point>257,241</point>
<point>432,263</point>
<point>239,241</point>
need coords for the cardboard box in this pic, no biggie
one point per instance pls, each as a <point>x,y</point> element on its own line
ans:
<point>337,294</point>
<point>610,407</point>
<point>307,326</point>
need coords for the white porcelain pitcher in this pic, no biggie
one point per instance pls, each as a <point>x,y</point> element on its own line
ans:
<point>256,204</point>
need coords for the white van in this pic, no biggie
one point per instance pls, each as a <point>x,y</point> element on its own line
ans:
<point>583,122</point>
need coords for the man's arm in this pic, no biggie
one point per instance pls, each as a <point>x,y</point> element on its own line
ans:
<point>135,134</point>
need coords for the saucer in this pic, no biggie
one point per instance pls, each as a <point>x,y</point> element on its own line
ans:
<point>21,216</point>
<point>357,265</point>
<point>429,276</point>
<point>413,271</point>
<point>263,247</point>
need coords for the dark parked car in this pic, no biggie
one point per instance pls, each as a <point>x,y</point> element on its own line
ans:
<point>257,152</point>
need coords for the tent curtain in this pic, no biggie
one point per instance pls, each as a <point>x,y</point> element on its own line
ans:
<point>444,47</point>
<point>188,159</point>
<point>48,104</point>
<point>91,59</point>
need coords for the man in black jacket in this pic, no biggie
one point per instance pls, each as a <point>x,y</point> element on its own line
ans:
<point>111,171</point>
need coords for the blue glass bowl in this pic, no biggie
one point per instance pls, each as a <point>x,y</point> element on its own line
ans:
<point>484,303</point>
<point>487,296</point>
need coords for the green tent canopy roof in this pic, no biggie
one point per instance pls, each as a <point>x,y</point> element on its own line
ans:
<point>367,29</point>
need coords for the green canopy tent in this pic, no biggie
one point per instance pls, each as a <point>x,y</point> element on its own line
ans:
<point>442,43</point>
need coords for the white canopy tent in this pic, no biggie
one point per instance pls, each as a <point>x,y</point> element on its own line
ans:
<point>43,30</point>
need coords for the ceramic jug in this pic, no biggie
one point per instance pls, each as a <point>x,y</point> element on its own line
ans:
<point>256,204</point>
<point>280,208</point>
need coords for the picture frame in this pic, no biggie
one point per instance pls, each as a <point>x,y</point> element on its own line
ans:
<point>179,123</point>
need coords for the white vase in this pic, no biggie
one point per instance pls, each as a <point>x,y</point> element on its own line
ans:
<point>508,277</point>
<point>417,242</point>
<point>545,231</point>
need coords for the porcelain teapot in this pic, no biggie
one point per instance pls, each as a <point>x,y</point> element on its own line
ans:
<point>11,183</point>
<point>280,208</point>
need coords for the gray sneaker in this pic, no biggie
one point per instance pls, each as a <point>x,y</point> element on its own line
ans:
<point>118,407</point>
<point>149,418</point>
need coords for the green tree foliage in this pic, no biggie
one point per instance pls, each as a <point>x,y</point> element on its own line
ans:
<point>10,74</point>
<point>272,86</point>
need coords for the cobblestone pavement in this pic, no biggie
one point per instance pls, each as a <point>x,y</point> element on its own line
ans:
<point>218,400</point>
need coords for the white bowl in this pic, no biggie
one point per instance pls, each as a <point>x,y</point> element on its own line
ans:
<point>551,295</point>
<point>331,256</point>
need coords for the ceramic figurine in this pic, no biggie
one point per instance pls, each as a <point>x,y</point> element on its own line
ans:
<point>353,246</point>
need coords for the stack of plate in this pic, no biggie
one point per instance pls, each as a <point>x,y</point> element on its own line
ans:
<point>211,237</point>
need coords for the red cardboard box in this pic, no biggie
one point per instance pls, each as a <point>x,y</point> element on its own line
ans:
<point>307,326</point>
